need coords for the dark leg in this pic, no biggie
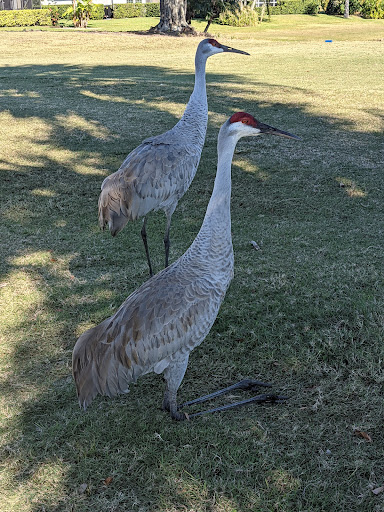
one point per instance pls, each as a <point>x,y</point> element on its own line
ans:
<point>245,384</point>
<point>275,399</point>
<point>144,237</point>
<point>166,237</point>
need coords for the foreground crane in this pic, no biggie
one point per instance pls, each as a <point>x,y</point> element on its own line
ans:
<point>160,323</point>
<point>156,174</point>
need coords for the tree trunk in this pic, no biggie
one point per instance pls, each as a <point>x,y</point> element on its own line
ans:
<point>262,13</point>
<point>172,18</point>
<point>208,25</point>
<point>74,6</point>
<point>346,9</point>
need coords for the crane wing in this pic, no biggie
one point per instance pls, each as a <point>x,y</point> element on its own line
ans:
<point>154,175</point>
<point>166,315</point>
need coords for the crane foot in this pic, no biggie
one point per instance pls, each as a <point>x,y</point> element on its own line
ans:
<point>275,399</point>
<point>179,416</point>
<point>244,385</point>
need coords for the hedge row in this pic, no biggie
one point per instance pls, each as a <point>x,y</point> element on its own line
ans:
<point>366,8</point>
<point>293,7</point>
<point>50,14</point>
<point>119,11</point>
<point>24,18</point>
<point>248,17</point>
<point>372,9</point>
<point>128,11</point>
<point>97,12</point>
<point>136,10</point>
<point>152,10</point>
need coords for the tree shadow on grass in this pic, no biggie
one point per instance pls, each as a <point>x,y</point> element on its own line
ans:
<point>69,276</point>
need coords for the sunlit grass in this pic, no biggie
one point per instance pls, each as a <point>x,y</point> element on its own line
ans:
<point>305,310</point>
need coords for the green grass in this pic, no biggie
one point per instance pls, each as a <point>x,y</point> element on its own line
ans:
<point>305,312</point>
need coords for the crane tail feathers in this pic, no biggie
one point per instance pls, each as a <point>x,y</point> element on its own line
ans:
<point>95,369</point>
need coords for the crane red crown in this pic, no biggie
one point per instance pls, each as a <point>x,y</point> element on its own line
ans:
<point>243,117</point>
<point>213,42</point>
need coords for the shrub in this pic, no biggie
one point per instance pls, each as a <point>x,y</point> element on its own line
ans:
<point>337,7</point>
<point>334,7</point>
<point>290,7</point>
<point>119,11</point>
<point>54,14</point>
<point>208,10</point>
<point>245,17</point>
<point>128,11</point>
<point>324,5</point>
<point>152,10</point>
<point>60,12</point>
<point>372,9</point>
<point>312,8</point>
<point>57,12</point>
<point>25,18</point>
<point>97,12</point>
<point>81,12</point>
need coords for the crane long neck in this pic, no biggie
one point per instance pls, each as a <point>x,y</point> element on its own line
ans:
<point>196,111</point>
<point>219,204</point>
<point>213,244</point>
<point>200,84</point>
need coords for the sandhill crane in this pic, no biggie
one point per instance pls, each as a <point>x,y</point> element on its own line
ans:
<point>156,174</point>
<point>160,323</point>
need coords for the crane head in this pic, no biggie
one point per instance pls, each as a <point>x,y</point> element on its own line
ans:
<point>242,124</point>
<point>210,47</point>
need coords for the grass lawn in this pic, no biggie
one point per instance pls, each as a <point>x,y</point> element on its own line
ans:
<point>305,312</point>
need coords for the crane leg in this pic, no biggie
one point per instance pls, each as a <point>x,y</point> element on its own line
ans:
<point>144,237</point>
<point>167,242</point>
<point>166,246</point>
<point>174,375</point>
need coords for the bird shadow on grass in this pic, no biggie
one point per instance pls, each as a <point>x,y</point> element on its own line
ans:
<point>125,454</point>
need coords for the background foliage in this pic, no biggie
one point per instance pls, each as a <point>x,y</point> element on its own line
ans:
<point>304,312</point>
<point>24,18</point>
<point>223,12</point>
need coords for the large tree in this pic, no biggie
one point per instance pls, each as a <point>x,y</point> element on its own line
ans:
<point>173,18</point>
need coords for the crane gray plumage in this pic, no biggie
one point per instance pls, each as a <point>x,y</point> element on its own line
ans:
<point>160,323</point>
<point>156,174</point>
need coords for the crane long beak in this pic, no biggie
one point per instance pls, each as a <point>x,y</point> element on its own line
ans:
<point>264,128</point>
<point>233,50</point>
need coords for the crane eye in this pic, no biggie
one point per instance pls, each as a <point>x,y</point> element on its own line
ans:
<point>245,121</point>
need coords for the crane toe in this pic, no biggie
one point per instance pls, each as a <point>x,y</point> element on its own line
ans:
<point>179,415</point>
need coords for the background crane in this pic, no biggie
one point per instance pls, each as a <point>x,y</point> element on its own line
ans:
<point>160,323</point>
<point>157,173</point>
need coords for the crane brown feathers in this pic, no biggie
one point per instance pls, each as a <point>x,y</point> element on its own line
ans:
<point>89,365</point>
<point>113,206</point>
<point>165,315</point>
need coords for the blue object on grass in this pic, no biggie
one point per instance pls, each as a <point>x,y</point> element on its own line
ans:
<point>328,40</point>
